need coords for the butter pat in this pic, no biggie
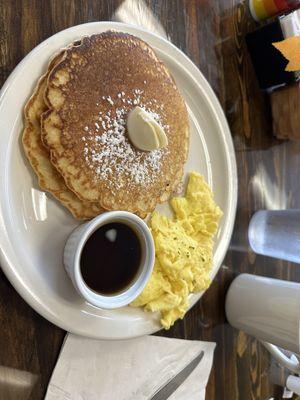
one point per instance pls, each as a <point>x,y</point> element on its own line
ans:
<point>144,132</point>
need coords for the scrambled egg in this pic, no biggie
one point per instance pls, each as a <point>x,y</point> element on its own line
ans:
<point>183,252</point>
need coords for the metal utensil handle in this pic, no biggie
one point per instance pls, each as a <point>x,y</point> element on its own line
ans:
<point>165,391</point>
<point>291,364</point>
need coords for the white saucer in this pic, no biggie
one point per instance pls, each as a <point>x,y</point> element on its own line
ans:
<point>33,226</point>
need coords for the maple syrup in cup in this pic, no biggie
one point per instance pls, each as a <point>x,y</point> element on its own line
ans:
<point>110,259</point>
<point>121,253</point>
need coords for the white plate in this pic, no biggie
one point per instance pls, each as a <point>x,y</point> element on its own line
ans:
<point>33,226</point>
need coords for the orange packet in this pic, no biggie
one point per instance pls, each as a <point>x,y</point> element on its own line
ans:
<point>290,49</point>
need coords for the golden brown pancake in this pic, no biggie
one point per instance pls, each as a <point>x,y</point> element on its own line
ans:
<point>90,93</point>
<point>38,156</point>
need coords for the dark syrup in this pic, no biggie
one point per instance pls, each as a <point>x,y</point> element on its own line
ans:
<point>111,258</point>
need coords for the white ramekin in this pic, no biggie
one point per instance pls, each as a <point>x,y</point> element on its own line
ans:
<point>76,242</point>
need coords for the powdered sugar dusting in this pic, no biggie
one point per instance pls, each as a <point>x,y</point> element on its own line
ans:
<point>109,153</point>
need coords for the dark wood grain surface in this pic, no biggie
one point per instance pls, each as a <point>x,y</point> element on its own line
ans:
<point>211,33</point>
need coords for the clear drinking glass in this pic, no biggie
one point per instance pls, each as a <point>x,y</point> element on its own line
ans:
<point>276,233</point>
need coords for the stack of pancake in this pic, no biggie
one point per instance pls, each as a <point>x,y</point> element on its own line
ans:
<point>75,134</point>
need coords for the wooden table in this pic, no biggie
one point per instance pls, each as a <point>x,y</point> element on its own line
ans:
<point>211,33</point>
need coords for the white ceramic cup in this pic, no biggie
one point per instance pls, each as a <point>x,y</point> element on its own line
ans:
<point>268,309</point>
<point>76,243</point>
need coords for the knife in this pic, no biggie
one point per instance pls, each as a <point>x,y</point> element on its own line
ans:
<point>169,388</point>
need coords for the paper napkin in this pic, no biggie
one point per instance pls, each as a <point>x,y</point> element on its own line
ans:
<point>132,369</point>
